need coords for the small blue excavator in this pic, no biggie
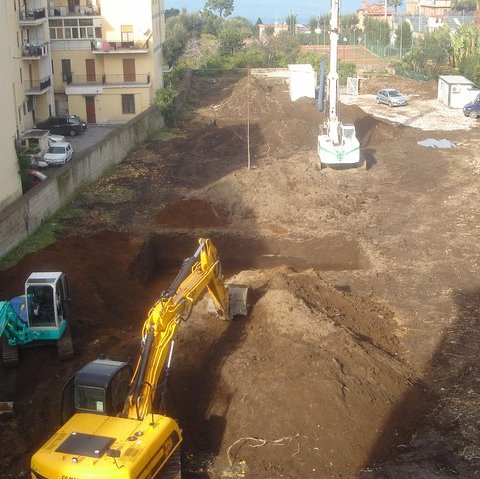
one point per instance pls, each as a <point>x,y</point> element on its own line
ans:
<point>41,316</point>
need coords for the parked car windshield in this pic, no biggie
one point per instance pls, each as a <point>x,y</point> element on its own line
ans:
<point>394,93</point>
<point>56,149</point>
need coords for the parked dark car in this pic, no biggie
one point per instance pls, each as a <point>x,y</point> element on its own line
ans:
<point>472,109</point>
<point>83,122</point>
<point>62,125</point>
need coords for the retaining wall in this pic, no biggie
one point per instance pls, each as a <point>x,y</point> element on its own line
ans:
<point>25,215</point>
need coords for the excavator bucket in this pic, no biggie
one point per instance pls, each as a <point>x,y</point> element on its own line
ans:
<point>239,299</point>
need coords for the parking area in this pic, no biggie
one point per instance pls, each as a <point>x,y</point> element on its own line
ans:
<point>83,142</point>
<point>426,114</point>
<point>90,137</point>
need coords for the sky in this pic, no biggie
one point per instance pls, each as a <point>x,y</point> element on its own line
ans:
<point>272,10</point>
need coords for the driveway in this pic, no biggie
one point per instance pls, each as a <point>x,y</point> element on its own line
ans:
<point>90,137</point>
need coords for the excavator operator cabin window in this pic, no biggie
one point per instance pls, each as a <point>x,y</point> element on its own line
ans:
<point>90,399</point>
<point>41,307</point>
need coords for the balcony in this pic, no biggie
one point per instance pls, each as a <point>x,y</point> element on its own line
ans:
<point>34,51</point>
<point>37,87</point>
<point>107,47</point>
<point>32,17</point>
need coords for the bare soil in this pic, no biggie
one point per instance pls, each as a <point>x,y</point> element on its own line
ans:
<point>359,358</point>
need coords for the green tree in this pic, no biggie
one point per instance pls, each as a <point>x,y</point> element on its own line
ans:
<point>231,40</point>
<point>470,68</point>
<point>377,31</point>
<point>223,7</point>
<point>176,38</point>
<point>403,38</point>
<point>291,21</point>
<point>463,5</point>
<point>211,23</point>
<point>432,54</point>
<point>171,12</point>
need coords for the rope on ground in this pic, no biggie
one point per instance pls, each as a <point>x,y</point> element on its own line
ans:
<point>258,442</point>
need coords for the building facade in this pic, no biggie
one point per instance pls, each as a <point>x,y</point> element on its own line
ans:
<point>106,56</point>
<point>99,59</point>
<point>26,79</point>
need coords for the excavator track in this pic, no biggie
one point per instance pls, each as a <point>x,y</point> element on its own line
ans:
<point>65,345</point>
<point>9,353</point>
<point>173,467</point>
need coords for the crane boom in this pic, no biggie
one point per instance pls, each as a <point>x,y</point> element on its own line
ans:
<point>332,79</point>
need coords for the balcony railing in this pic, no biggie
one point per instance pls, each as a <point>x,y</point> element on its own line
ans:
<point>79,11</point>
<point>32,15</point>
<point>37,86</point>
<point>35,51</point>
<point>104,46</point>
<point>110,80</point>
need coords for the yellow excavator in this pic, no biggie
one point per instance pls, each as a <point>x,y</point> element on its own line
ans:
<point>111,430</point>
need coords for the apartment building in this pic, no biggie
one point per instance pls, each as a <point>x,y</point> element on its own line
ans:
<point>106,57</point>
<point>26,92</point>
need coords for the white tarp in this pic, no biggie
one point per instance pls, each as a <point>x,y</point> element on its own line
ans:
<point>432,143</point>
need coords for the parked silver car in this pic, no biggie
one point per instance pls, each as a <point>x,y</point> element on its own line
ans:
<point>391,97</point>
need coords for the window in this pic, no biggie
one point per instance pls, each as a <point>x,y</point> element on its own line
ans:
<point>127,33</point>
<point>128,104</point>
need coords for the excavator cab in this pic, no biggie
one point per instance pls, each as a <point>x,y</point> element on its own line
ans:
<point>100,387</point>
<point>40,316</point>
<point>47,304</point>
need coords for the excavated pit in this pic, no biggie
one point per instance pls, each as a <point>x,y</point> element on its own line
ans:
<point>333,253</point>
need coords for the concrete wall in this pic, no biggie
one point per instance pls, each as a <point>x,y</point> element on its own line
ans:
<point>25,215</point>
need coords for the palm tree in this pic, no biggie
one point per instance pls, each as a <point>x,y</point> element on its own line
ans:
<point>397,3</point>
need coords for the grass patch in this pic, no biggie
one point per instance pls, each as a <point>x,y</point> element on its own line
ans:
<point>112,194</point>
<point>164,134</point>
<point>46,234</point>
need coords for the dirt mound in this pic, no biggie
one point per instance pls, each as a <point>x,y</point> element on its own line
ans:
<point>278,126</point>
<point>310,374</point>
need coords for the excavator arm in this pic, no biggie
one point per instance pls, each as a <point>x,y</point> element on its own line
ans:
<point>199,272</point>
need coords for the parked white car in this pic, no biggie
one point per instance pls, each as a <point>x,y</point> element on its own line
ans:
<point>55,139</point>
<point>58,154</point>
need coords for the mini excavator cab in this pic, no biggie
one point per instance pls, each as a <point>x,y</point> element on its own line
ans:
<point>40,316</point>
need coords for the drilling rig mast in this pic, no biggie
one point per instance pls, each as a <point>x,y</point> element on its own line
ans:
<point>338,144</point>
